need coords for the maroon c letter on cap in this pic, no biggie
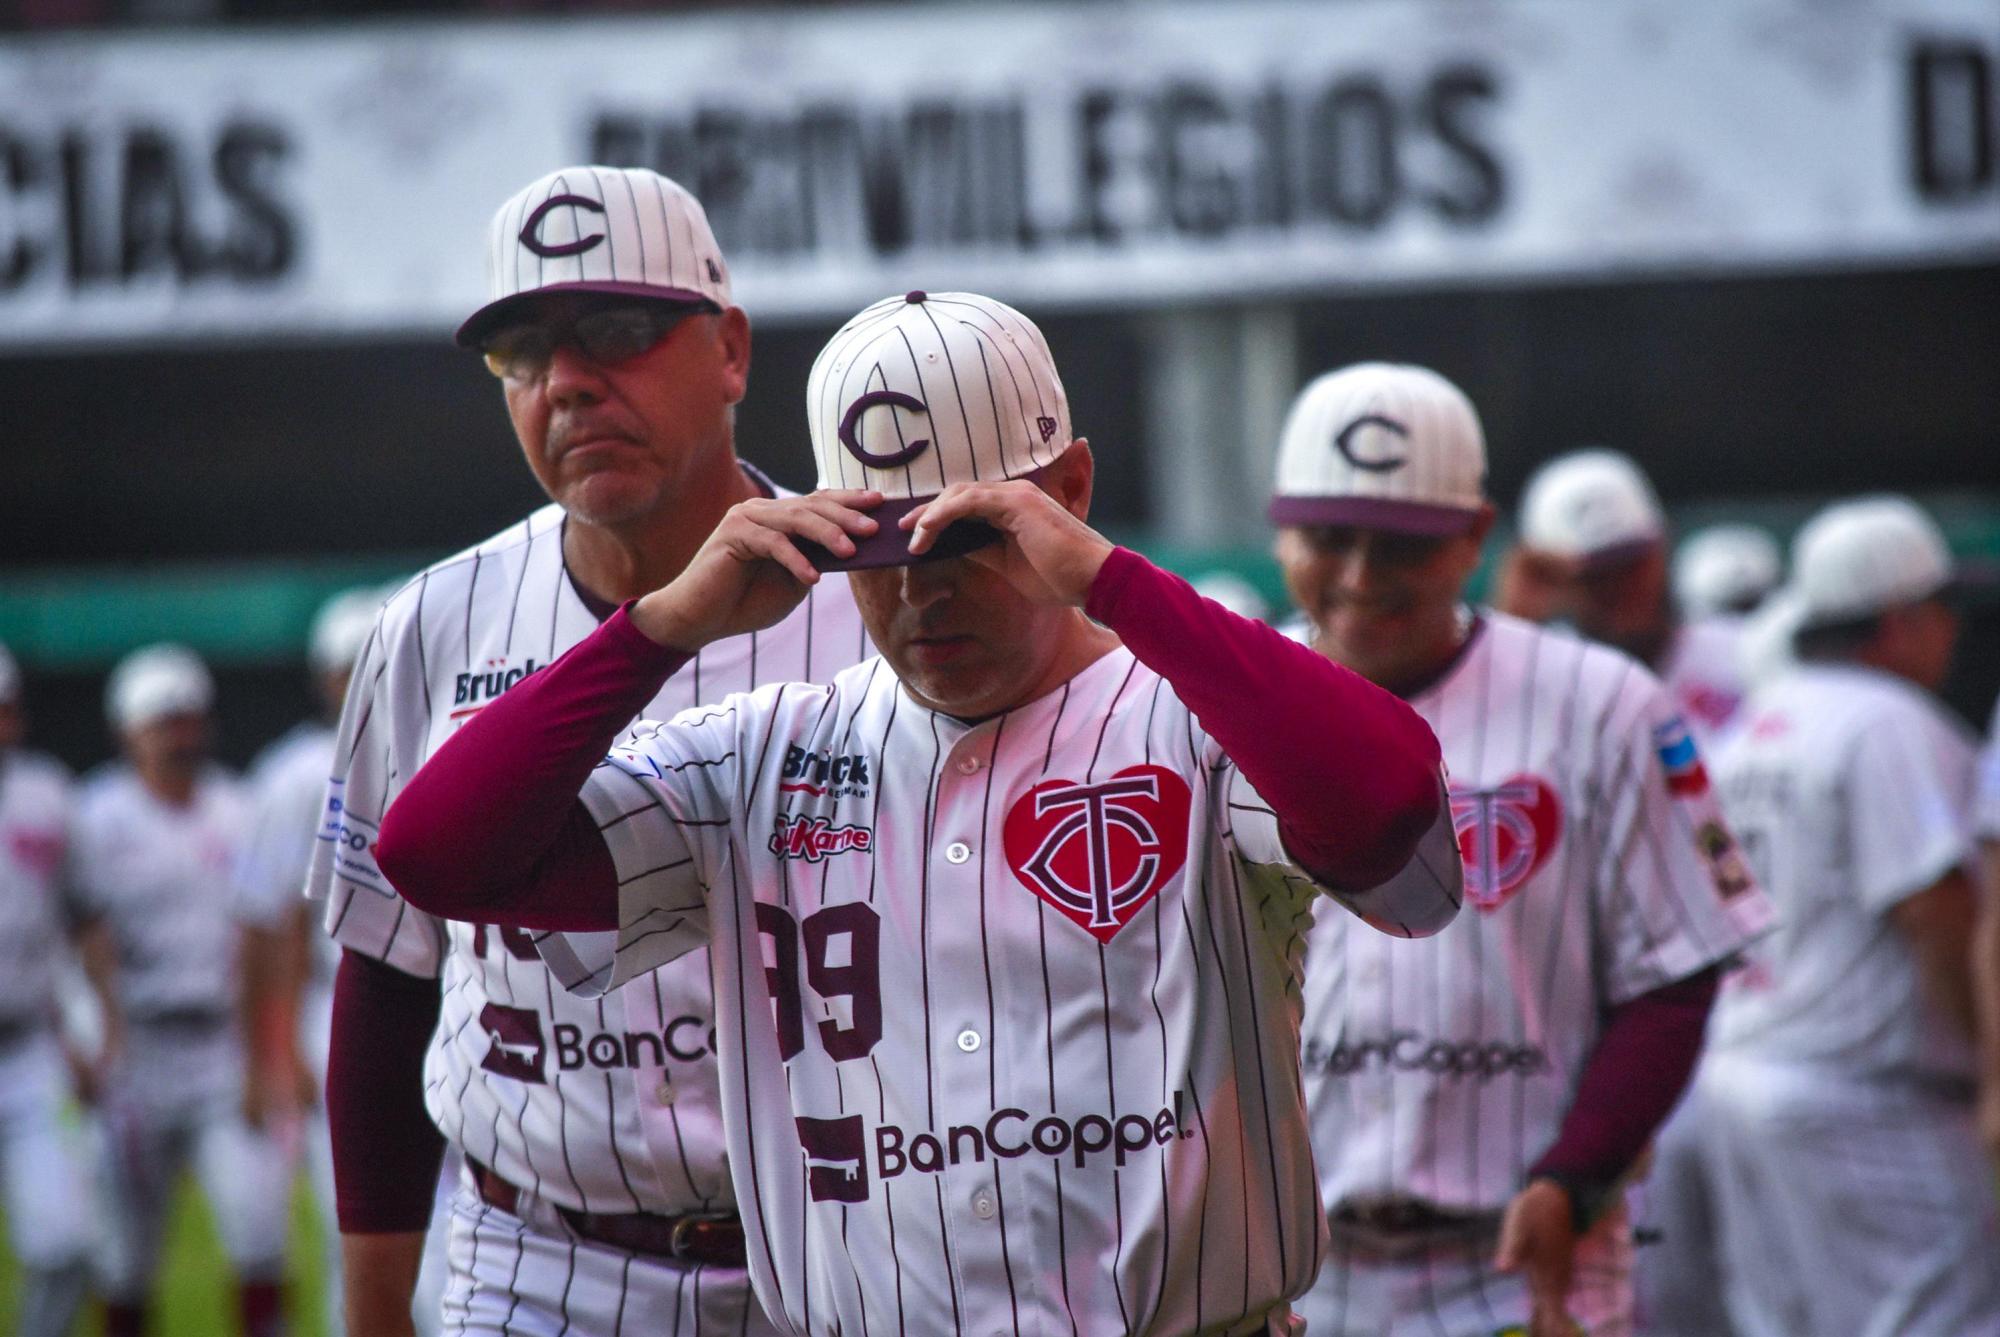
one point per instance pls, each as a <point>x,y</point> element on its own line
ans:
<point>868,401</point>
<point>531,230</point>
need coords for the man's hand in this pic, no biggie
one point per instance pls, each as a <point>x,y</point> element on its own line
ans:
<point>1047,553</point>
<point>1538,1239</point>
<point>379,1275</point>
<point>750,573</point>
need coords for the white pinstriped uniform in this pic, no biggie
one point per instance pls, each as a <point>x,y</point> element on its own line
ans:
<point>1854,1193</point>
<point>159,878</point>
<point>45,1178</point>
<point>1008,1089</point>
<point>1440,1070</point>
<point>1704,677</point>
<point>606,1106</point>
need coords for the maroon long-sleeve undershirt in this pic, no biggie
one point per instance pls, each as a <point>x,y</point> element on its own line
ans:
<point>386,1150</point>
<point>1629,1084</point>
<point>490,829</point>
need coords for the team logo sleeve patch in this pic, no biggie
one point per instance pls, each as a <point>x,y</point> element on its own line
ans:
<point>1098,853</point>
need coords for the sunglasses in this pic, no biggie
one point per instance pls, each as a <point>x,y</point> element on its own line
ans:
<point>607,336</point>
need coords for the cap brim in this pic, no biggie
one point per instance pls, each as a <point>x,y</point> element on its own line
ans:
<point>483,321</point>
<point>1401,517</point>
<point>889,545</point>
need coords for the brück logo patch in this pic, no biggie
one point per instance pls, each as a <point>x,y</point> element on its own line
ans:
<point>823,774</point>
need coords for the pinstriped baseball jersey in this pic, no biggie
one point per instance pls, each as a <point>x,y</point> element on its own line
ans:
<point>287,788</point>
<point>603,1106</point>
<point>35,799</point>
<point>1007,1010</point>
<point>1852,791</point>
<point>1703,676</point>
<point>1597,868</point>
<point>160,877</point>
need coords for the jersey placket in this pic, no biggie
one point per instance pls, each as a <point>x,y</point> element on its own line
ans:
<point>966,1066</point>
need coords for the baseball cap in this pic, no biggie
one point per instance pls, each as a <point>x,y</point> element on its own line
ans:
<point>341,628</point>
<point>156,682</point>
<point>1385,445</point>
<point>619,230</point>
<point>10,679</point>
<point>925,390</point>
<point>1591,505</point>
<point>1857,558</point>
<point>1725,567</point>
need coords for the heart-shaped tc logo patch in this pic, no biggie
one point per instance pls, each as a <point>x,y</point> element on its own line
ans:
<point>1099,852</point>
<point>1505,833</point>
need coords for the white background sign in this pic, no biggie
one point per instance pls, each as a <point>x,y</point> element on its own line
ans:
<point>337,181</point>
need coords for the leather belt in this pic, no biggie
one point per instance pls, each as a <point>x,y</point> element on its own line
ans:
<point>713,1239</point>
<point>1394,1228</point>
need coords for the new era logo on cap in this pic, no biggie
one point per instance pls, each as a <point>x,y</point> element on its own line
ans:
<point>624,231</point>
<point>1382,445</point>
<point>925,390</point>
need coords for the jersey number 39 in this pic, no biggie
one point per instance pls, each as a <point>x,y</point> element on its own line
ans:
<point>851,933</point>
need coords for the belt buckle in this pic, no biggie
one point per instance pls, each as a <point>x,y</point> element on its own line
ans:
<point>680,1240</point>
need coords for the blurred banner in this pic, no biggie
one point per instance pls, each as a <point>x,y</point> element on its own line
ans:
<point>337,181</point>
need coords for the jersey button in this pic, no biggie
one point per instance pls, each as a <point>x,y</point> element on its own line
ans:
<point>983,1206</point>
<point>664,1092</point>
<point>968,765</point>
<point>957,852</point>
<point>968,1040</point>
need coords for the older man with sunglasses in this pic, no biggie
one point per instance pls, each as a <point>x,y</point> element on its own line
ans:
<point>595,1196</point>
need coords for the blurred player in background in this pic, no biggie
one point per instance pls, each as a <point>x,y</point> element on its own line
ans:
<point>1477,1097</point>
<point>43,1170</point>
<point>1838,1091</point>
<point>1592,551</point>
<point>597,1193</point>
<point>1725,571</point>
<point>288,962</point>
<point>155,840</point>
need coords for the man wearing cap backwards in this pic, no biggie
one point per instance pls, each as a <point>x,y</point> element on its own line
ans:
<point>1840,1079</point>
<point>1592,550</point>
<point>156,836</point>
<point>1476,1097</point>
<point>596,1192</point>
<point>43,1176</point>
<point>288,966</point>
<point>1005,923</point>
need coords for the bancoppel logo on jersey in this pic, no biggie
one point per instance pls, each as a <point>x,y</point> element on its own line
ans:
<point>823,774</point>
<point>837,1171</point>
<point>516,1047</point>
<point>1407,1051</point>
<point>473,692</point>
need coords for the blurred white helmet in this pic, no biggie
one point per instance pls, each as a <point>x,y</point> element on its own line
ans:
<point>156,682</point>
<point>341,628</point>
<point>1862,557</point>
<point>1590,505</point>
<point>1725,569</point>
